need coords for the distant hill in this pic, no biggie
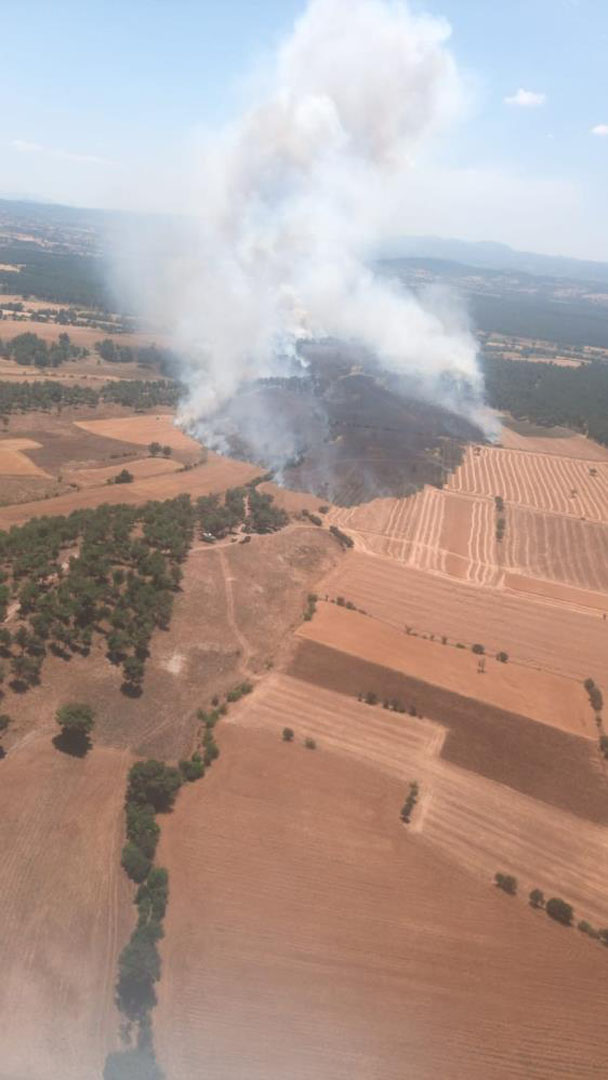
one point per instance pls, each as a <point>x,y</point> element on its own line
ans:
<point>487,255</point>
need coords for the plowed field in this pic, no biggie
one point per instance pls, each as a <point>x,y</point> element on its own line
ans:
<point>140,469</point>
<point>13,460</point>
<point>310,935</point>
<point>66,910</point>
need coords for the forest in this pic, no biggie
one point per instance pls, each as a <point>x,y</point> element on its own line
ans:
<point>550,395</point>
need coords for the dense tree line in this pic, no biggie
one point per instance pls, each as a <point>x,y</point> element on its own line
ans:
<point>113,351</point>
<point>48,394</point>
<point>28,349</point>
<point>551,395</point>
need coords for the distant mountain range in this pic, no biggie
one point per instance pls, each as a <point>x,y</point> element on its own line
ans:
<point>487,255</point>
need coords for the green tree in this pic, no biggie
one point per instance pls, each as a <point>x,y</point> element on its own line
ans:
<point>135,864</point>
<point>506,882</point>
<point>167,451</point>
<point>536,898</point>
<point>559,910</point>
<point>155,449</point>
<point>75,719</point>
<point>288,734</point>
<point>154,783</point>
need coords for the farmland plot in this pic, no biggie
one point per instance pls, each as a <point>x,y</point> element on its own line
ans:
<point>540,481</point>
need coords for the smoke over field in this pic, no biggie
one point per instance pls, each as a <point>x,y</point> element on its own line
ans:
<point>290,204</point>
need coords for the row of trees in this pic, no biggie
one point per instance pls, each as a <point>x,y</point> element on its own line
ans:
<point>29,349</point>
<point>48,394</point>
<point>152,789</point>
<point>556,908</point>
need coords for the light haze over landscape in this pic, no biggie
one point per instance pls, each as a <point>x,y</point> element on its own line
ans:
<point>106,104</point>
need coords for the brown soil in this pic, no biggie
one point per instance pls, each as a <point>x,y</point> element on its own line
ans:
<point>309,934</point>
<point>82,336</point>
<point>543,762</point>
<point>66,910</point>
<point>575,446</point>
<point>140,469</point>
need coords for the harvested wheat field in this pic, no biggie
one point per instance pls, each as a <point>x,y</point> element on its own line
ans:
<point>567,445</point>
<point>141,469</point>
<point>143,430</point>
<point>539,695</point>
<point>437,531</point>
<point>558,548</point>
<point>541,632</point>
<point>561,485</point>
<point>15,462</point>
<point>216,474</point>
<point>66,910</point>
<point>474,819</point>
<point>309,934</point>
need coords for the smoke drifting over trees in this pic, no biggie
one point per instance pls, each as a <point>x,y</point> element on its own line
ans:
<point>292,201</point>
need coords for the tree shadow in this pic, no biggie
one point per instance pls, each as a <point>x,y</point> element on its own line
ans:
<point>76,745</point>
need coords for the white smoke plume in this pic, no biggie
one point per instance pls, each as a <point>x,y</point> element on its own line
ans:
<point>293,199</point>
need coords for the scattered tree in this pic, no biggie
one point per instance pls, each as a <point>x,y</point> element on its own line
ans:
<point>507,883</point>
<point>536,898</point>
<point>288,734</point>
<point>559,910</point>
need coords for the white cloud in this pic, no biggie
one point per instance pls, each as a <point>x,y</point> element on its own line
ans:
<point>600,129</point>
<point>526,99</point>
<point>22,146</point>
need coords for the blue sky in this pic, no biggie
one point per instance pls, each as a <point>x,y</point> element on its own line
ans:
<point>95,94</point>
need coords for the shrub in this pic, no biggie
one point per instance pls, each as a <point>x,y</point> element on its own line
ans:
<point>410,802</point>
<point>604,745</point>
<point>237,692</point>
<point>4,722</point>
<point>142,829</point>
<point>152,897</point>
<point>288,734</point>
<point>192,768</point>
<point>586,928</point>
<point>123,477</point>
<point>135,864</point>
<point>559,910</point>
<point>153,782</point>
<point>506,882</point>
<point>502,656</point>
<point>371,698</point>
<point>310,744</point>
<point>154,449</point>
<point>138,970</point>
<point>536,898</point>
<point>478,649</point>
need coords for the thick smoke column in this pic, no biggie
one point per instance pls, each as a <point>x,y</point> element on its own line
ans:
<point>295,197</point>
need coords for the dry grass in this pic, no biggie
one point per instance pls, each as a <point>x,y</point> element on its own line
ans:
<point>143,430</point>
<point>141,469</point>
<point>13,460</point>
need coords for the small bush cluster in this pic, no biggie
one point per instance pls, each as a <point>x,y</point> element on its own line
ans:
<point>506,882</point>
<point>596,699</point>
<point>313,518</point>
<point>342,538</point>
<point>311,606</point>
<point>239,691</point>
<point>412,798</point>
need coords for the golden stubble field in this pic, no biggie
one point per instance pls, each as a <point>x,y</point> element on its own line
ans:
<point>309,934</point>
